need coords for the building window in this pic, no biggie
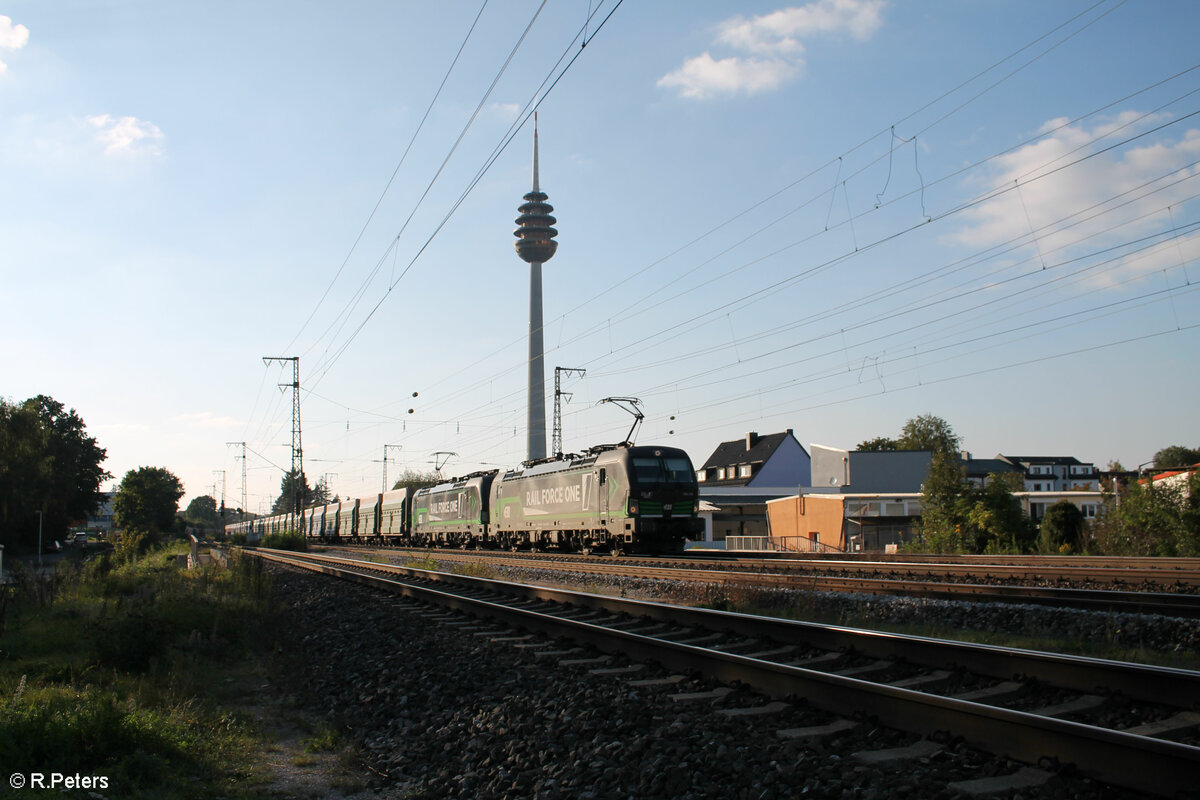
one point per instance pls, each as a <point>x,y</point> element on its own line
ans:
<point>1089,510</point>
<point>721,474</point>
<point>744,471</point>
<point>701,475</point>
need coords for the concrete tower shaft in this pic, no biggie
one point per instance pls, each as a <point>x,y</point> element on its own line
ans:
<point>535,244</point>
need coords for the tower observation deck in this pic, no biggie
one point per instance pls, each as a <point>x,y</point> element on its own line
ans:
<point>535,245</point>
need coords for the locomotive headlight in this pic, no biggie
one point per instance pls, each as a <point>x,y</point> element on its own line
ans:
<point>633,507</point>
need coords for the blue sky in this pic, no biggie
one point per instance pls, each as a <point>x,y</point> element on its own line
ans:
<point>828,216</point>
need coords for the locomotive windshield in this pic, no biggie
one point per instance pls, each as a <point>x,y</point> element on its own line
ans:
<point>666,469</point>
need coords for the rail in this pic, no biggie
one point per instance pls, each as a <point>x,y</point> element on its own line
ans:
<point>796,575</point>
<point>1115,756</point>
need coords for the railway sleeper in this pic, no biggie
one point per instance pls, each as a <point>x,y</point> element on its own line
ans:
<point>1024,778</point>
<point>772,708</point>
<point>922,748</point>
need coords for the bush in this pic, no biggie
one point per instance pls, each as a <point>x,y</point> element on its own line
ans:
<point>1151,519</point>
<point>133,544</point>
<point>288,540</point>
<point>1062,529</point>
<point>130,641</point>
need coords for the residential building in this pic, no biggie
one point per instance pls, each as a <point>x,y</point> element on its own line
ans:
<point>742,475</point>
<point>1055,473</point>
<point>1176,478</point>
<point>1052,476</point>
<point>776,459</point>
<point>102,520</point>
<point>876,502</point>
<point>871,501</point>
<point>980,470</point>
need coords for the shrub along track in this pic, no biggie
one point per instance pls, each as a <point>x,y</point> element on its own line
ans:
<point>922,686</point>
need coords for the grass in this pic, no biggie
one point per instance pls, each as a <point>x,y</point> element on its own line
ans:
<point>108,670</point>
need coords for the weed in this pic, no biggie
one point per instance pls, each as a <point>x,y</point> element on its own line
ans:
<point>326,739</point>
<point>422,563</point>
<point>474,570</point>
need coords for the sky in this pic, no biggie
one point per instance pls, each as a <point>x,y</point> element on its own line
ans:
<point>830,216</point>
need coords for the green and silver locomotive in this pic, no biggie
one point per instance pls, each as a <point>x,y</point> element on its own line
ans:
<point>614,498</point>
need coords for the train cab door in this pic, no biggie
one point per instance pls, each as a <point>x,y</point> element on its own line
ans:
<point>602,492</point>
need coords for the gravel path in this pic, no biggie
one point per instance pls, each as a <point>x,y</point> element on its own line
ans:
<point>443,712</point>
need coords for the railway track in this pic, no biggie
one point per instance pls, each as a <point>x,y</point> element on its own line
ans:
<point>1163,574</point>
<point>1108,719</point>
<point>774,575</point>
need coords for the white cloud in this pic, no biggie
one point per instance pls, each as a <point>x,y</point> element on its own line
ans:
<point>507,111</point>
<point>772,48</point>
<point>1044,195</point>
<point>73,143</point>
<point>780,32</point>
<point>12,37</point>
<point>703,76</point>
<point>127,135</point>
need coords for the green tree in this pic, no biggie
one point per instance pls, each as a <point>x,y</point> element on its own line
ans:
<point>416,480</point>
<point>996,520</point>
<point>944,506</point>
<point>203,512</point>
<point>1176,456</point>
<point>320,495</point>
<point>147,500</point>
<point>48,463</point>
<point>1189,518</point>
<point>294,494</point>
<point>924,432</point>
<point>1152,518</point>
<point>1063,529</point>
<point>928,432</point>
<point>959,518</point>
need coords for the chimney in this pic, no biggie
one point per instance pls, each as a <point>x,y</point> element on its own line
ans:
<point>751,440</point>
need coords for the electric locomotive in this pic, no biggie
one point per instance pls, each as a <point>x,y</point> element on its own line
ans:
<point>614,497</point>
<point>453,513</point>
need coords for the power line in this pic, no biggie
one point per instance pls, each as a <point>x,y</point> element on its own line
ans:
<point>329,360</point>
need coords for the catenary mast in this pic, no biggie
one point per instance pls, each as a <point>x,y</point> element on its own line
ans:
<point>535,244</point>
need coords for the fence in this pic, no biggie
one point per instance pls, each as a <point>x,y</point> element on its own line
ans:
<point>777,544</point>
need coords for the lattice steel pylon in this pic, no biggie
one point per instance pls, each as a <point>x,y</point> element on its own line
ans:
<point>558,395</point>
<point>297,450</point>
<point>243,458</point>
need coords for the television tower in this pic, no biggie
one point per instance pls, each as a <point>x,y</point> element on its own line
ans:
<point>535,244</point>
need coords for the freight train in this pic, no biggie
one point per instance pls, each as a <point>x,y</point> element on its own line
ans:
<point>614,498</point>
